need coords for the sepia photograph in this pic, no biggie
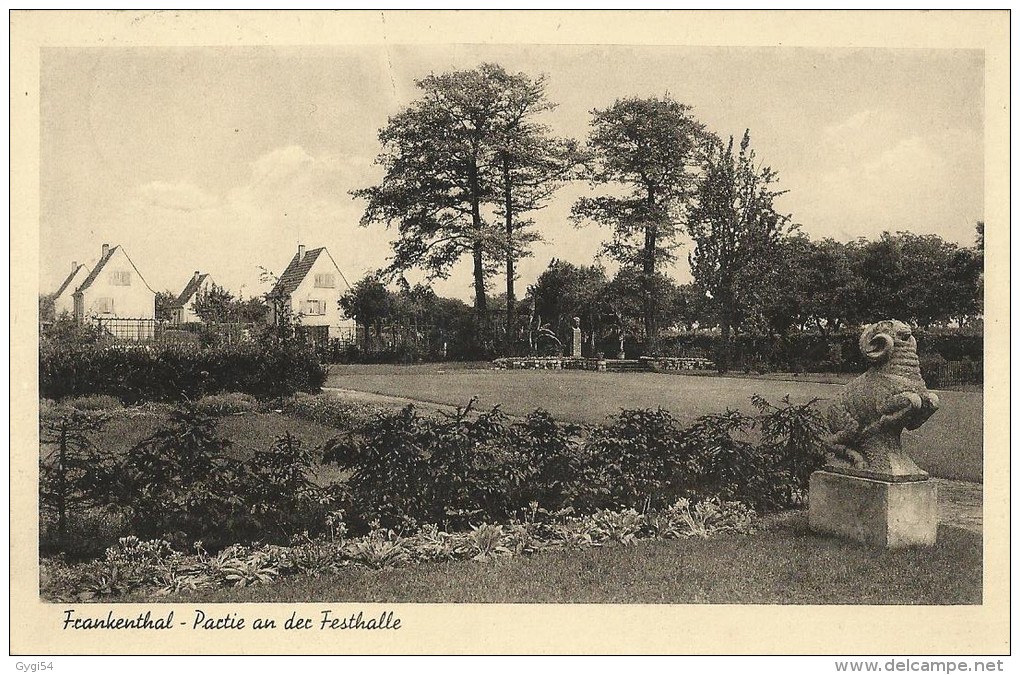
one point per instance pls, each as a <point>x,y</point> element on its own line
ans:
<point>339,335</point>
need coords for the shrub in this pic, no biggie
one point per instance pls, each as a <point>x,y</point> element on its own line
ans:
<point>74,475</point>
<point>178,484</point>
<point>171,372</point>
<point>281,497</point>
<point>807,352</point>
<point>633,462</point>
<point>791,441</point>
<point>408,469</point>
<point>219,405</point>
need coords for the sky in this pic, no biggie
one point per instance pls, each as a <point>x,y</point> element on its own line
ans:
<point>224,159</point>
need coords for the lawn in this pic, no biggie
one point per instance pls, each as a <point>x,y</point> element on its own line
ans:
<point>948,446</point>
<point>784,565</point>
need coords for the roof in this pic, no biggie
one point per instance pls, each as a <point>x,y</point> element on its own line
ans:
<point>67,281</point>
<point>99,268</point>
<point>295,273</point>
<point>194,284</point>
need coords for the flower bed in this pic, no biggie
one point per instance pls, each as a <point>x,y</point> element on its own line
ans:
<point>155,568</point>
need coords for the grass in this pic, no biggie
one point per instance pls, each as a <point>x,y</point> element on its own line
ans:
<point>784,565</point>
<point>949,445</point>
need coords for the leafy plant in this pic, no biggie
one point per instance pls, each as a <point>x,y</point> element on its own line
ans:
<point>379,549</point>
<point>791,437</point>
<point>485,539</point>
<point>616,528</point>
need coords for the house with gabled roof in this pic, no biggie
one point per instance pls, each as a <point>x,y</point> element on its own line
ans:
<point>309,292</point>
<point>184,306</point>
<point>63,299</point>
<point>114,289</point>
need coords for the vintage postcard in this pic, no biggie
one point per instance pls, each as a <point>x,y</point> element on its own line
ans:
<point>501,332</point>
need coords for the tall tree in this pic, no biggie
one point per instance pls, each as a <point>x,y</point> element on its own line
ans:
<point>532,166</point>
<point>443,171</point>
<point>736,229</point>
<point>648,151</point>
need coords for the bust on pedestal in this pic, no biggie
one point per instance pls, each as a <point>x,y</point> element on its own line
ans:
<point>575,342</point>
<point>870,490</point>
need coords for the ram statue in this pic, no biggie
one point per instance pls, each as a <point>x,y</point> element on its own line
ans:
<point>866,420</point>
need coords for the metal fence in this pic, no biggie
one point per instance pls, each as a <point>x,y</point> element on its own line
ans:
<point>128,330</point>
<point>953,373</point>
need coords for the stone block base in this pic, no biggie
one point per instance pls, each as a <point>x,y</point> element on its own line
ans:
<point>876,512</point>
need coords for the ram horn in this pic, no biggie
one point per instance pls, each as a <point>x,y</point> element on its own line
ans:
<point>876,344</point>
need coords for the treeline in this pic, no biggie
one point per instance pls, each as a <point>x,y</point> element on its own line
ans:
<point>468,164</point>
<point>819,287</point>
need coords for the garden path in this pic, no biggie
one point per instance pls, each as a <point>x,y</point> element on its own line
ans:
<point>960,503</point>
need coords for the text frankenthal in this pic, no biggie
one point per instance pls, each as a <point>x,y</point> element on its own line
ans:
<point>231,621</point>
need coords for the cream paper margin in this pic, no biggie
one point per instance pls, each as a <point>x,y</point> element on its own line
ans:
<point>507,629</point>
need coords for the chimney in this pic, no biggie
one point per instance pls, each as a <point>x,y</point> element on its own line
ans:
<point>74,266</point>
<point>106,250</point>
<point>197,275</point>
<point>300,252</point>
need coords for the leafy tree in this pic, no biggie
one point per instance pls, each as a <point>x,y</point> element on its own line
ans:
<point>736,231</point>
<point>166,302</point>
<point>215,305</point>
<point>691,307</point>
<point>252,310</point>
<point>832,295</point>
<point>625,295</point>
<point>647,151</point>
<point>963,289</point>
<point>369,303</point>
<point>920,278</point>
<point>443,167</point>
<point>565,290</point>
<point>218,305</point>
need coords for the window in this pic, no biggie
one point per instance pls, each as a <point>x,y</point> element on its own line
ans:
<point>119,278</point>
<point>104,305</point>
<point>315,307</point>
<point>325,281</point>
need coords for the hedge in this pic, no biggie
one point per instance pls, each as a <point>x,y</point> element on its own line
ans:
<point>173,372</point>
<point>806,352</point>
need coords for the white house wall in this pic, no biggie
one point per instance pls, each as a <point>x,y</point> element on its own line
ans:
<point>109,296</point>
<point>328,298</point>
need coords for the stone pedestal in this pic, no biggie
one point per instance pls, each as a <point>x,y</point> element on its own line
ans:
<point>575,343</point>
<point>877,512</point>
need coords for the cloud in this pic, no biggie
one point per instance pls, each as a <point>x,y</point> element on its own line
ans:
<point>291,196</point>
<point>181,196</point>
<point>878,169</point>
<point>279,165</point>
